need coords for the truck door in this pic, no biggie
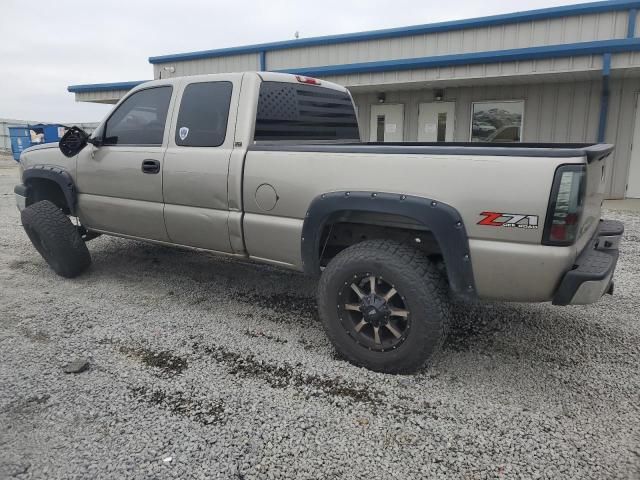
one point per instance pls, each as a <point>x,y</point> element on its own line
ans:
<point>197,163</point>
<point>120,183</point>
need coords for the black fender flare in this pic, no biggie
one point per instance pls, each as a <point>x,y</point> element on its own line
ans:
<point>57,175</point>
<point>441,219</point>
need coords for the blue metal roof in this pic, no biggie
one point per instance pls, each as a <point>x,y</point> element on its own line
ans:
<point>104,87</point>
<point>531,53</point>
<point>554,12</point>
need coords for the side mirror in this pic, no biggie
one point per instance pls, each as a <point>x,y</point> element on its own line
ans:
<point>73,141</point>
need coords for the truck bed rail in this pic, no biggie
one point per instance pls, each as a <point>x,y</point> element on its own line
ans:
<point>592,151</point>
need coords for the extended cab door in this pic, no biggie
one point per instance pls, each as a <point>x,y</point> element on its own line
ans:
<point>197,163</point>
<point>120,183</point>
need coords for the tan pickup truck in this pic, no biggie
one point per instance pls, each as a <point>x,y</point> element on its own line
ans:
<point>271,167</point>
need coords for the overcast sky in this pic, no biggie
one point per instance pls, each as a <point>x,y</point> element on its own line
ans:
<point>46,46</point>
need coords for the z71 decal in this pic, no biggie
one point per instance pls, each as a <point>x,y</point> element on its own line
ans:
<point>510,220</point>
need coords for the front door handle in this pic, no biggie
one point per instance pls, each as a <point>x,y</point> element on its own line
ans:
<point>150,166</point>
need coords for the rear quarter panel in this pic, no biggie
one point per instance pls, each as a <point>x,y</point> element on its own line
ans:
<point>471,184</point>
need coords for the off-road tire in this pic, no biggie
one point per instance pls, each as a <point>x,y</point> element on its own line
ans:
<point>423,287</point>
<point>56,239</point>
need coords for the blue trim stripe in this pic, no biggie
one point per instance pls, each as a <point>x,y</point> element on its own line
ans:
<point>554,12</point>
<point>631,25</point>
<point>532,53</point>
<point>105,87</point>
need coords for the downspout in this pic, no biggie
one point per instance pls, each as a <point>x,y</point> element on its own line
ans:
<point>604,97</point>
<point>263,61</point>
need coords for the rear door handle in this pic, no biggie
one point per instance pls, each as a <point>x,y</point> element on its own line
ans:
<point>150,166</point>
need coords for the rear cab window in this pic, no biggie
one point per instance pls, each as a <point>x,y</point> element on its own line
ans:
<point>204,113</point>
<point>288,111</point>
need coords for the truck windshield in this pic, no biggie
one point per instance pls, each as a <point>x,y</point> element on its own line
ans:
<point>287,111</point>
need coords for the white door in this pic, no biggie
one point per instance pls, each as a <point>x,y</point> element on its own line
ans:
<point>633,184</point>
<point>436,121</point>
<point>387,123</point>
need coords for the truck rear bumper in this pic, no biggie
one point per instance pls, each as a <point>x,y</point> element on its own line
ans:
<point>592,273</point>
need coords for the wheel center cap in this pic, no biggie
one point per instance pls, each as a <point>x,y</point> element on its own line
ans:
<point>375,310</point>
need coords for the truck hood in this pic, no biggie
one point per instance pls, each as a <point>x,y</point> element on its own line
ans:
<point>43,146</point>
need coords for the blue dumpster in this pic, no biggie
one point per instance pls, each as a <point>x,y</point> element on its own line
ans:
<point>25,136</point>
<point>52,133</point>
<point>20,140</point>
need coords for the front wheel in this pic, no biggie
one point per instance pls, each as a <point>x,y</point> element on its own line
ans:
<point>384,306</point>
<point>56,238</point>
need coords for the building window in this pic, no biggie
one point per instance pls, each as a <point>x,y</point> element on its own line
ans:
<point>497,121</point>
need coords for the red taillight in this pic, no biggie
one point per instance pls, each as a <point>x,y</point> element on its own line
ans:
<point>558,232</point>
<point>308,80</point>
<point>565,205</point>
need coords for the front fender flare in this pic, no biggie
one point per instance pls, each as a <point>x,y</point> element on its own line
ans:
<point>441,219</point>
<point>57,175</point>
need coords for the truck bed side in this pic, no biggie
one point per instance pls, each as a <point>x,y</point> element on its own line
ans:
<point>508,263</point>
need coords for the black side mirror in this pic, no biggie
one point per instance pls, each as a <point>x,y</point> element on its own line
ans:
<point>73,141</point>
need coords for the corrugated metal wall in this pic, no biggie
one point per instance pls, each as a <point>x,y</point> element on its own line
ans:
<point>235,63</point>
<point>552,31</point>
<point>553,112</point>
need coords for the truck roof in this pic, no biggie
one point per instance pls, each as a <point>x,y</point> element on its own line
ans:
<point>264,76</point>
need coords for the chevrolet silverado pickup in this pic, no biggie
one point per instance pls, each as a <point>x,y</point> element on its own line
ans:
<point>271,167</point>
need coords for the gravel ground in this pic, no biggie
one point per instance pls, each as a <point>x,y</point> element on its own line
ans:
<point>202,367</point>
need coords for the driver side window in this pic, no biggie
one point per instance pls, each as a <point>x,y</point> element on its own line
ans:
<point>140,119</point>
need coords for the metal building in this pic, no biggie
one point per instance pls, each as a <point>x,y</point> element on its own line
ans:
<point>563,74</point>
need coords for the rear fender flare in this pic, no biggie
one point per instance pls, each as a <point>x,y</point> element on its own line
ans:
<point>441,219</point>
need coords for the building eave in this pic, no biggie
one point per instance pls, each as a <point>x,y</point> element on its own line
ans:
<point>104,87</point>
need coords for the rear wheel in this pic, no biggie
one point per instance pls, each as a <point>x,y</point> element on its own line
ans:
<point>56,238</point>
<point>384,306</point>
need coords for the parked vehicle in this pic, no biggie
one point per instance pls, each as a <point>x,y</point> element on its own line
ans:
<point>271,167</point>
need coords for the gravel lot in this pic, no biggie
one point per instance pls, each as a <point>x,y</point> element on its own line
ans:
<point>202,367</point>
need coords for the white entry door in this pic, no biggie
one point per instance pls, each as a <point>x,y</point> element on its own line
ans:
<point>387,123</point>
<point>633,184</point>
<point>436,121</point>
